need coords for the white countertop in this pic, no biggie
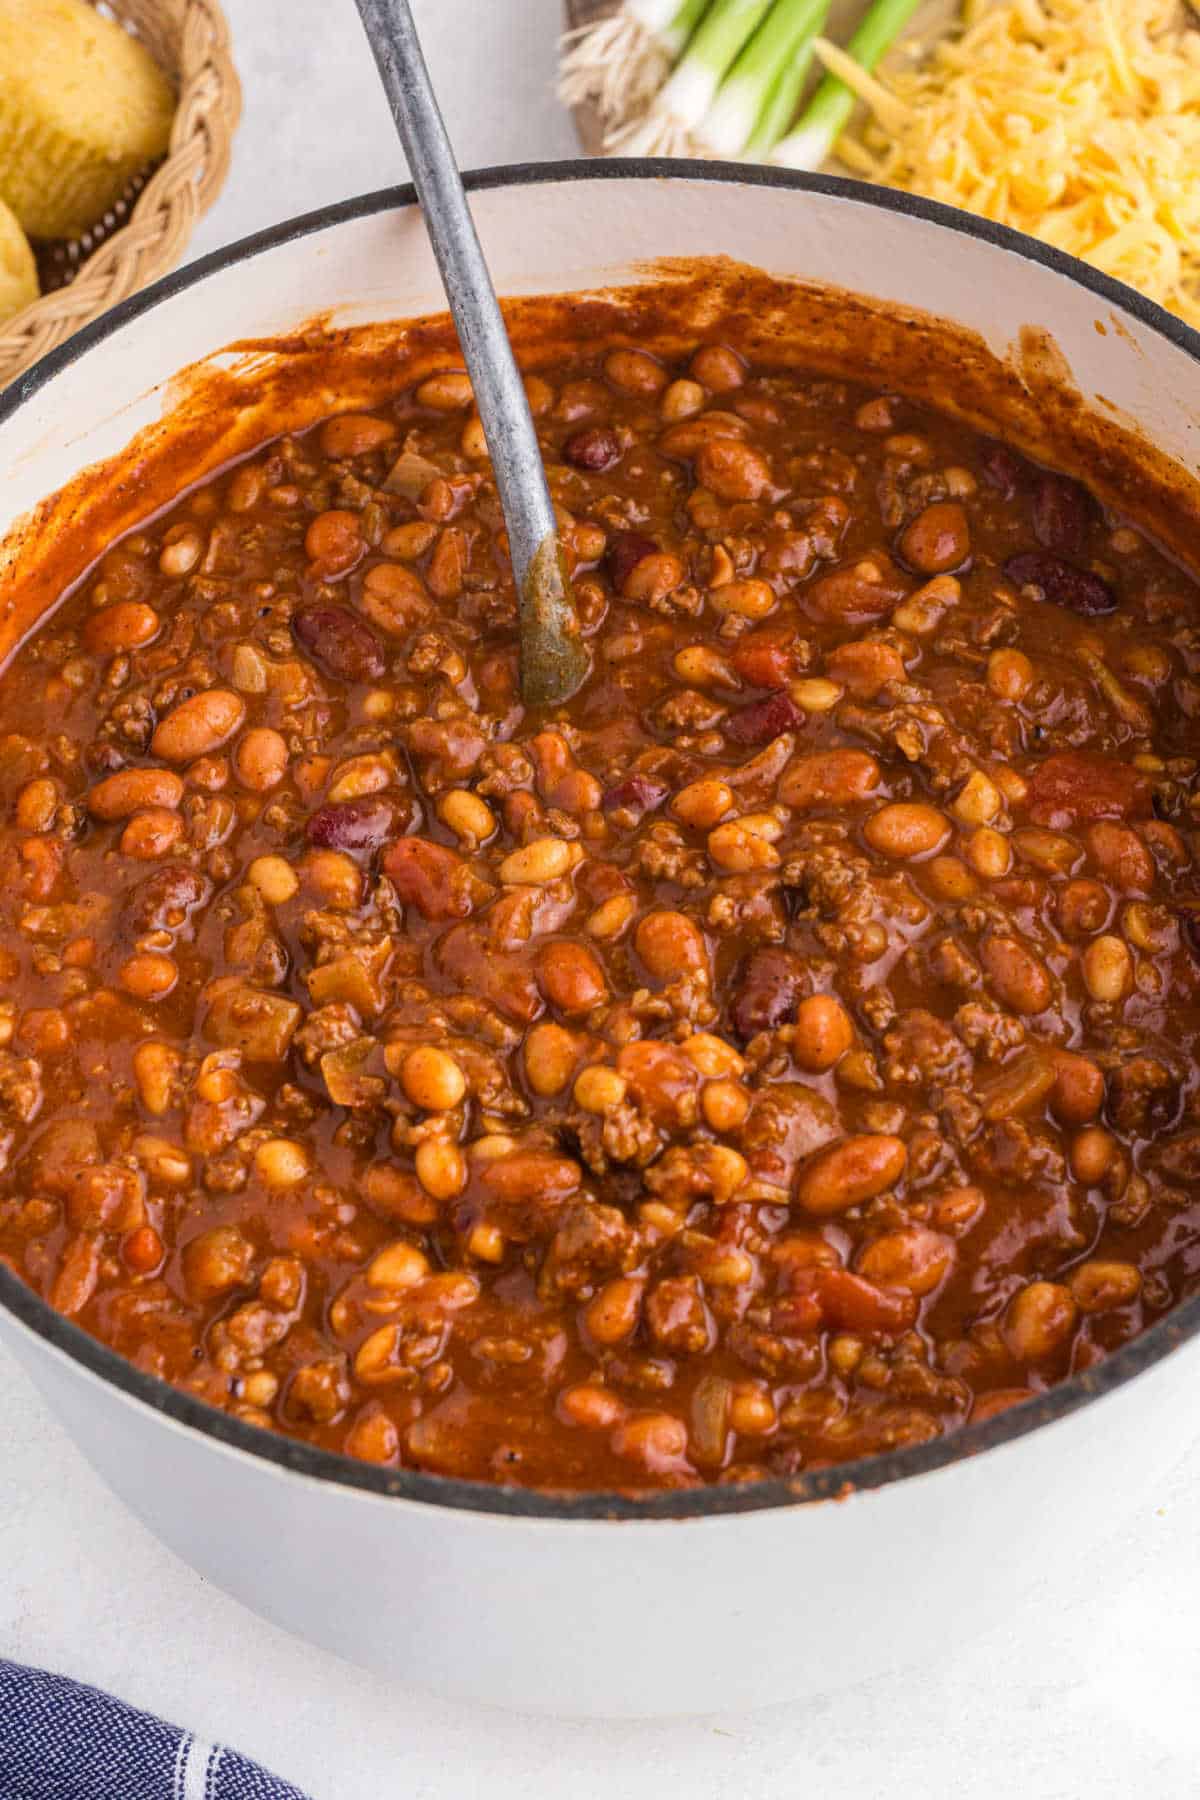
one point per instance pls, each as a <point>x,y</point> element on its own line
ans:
<point>1092,1692</point>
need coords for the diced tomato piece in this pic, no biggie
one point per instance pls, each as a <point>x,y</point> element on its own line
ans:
<point>851,1304</point>
<point>1076,786</point>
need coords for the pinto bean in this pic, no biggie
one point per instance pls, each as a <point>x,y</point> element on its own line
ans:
<point>858,594</point>
<point>198,726</point>
<point>1099,1286</point>
<point>334,541</point>
<point>913,1259</point>
<point>1040,1319</point>
<point>261,759</point>
<point>1121,857</point>
<point>671,945</point>
<point>1078,1092</point>
<point>720,369</point>
<point>865,668</point>
<point>152,833</point>
<point>634,372</point>
<point>829,778</point>
<point>907,829</point>
<point>938,539</point>
<point>1019,978</point>
<point>823,1033</point>
<point>854,1170</point>
<point>131,790</point>
<point>355,434</point>
<point>394,597</point>
<point>733,470</point>
<point>127,625</point>
<point>571,977</point>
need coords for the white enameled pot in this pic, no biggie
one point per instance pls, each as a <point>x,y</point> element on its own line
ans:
<point>708,1599</point>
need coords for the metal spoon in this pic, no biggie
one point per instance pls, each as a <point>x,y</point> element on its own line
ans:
<point>554,658</point>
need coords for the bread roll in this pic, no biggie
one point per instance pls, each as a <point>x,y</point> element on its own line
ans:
<point>83,107</point>
<point>18,273</point>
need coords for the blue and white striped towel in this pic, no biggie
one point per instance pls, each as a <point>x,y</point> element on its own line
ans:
<point>62,1741</point>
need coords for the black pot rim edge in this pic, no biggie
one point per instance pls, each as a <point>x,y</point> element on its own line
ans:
<point>878,1471</point>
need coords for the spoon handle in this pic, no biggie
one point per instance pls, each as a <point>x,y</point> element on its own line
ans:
<point>554,658</point>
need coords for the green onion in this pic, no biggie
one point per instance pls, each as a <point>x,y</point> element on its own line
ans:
<point>829,110</point>
<point>776,57</point>
<point>783,97</point>
<point>682,103</point>
<point>676,28</point>
<point>622,61</point>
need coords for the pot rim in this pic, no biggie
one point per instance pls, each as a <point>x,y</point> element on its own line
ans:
<point>291,1455</point>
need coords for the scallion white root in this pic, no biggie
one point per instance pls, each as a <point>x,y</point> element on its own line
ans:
<point>621,62</point>
<point>668,125</point>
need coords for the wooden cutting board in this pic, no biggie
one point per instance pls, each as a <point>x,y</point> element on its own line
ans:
<point>928,21</point>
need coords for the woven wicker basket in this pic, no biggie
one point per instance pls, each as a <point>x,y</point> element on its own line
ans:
<point>146,233</point>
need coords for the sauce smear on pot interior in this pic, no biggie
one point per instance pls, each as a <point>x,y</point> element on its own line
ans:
<point>783,1053</point>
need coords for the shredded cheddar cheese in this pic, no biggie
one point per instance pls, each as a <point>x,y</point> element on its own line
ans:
<point>1075,120</point>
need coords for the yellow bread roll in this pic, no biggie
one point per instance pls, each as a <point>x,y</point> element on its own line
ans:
<point>18,273</point>
<point>83,107</point>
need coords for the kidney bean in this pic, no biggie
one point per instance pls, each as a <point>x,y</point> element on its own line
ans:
<point>1062,512</point>
<point>763,720</point>
<point>355,824</point>
<point>625,551</point>
<point>1061,582</point>
<point>340,641</point>
<point>595,449</point>
<point>1077,786</point>
<point>431,878</point>
<point>636,796</point>
<point>166,901</point>
<point>766,990</point>
<point>1002,468</point>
